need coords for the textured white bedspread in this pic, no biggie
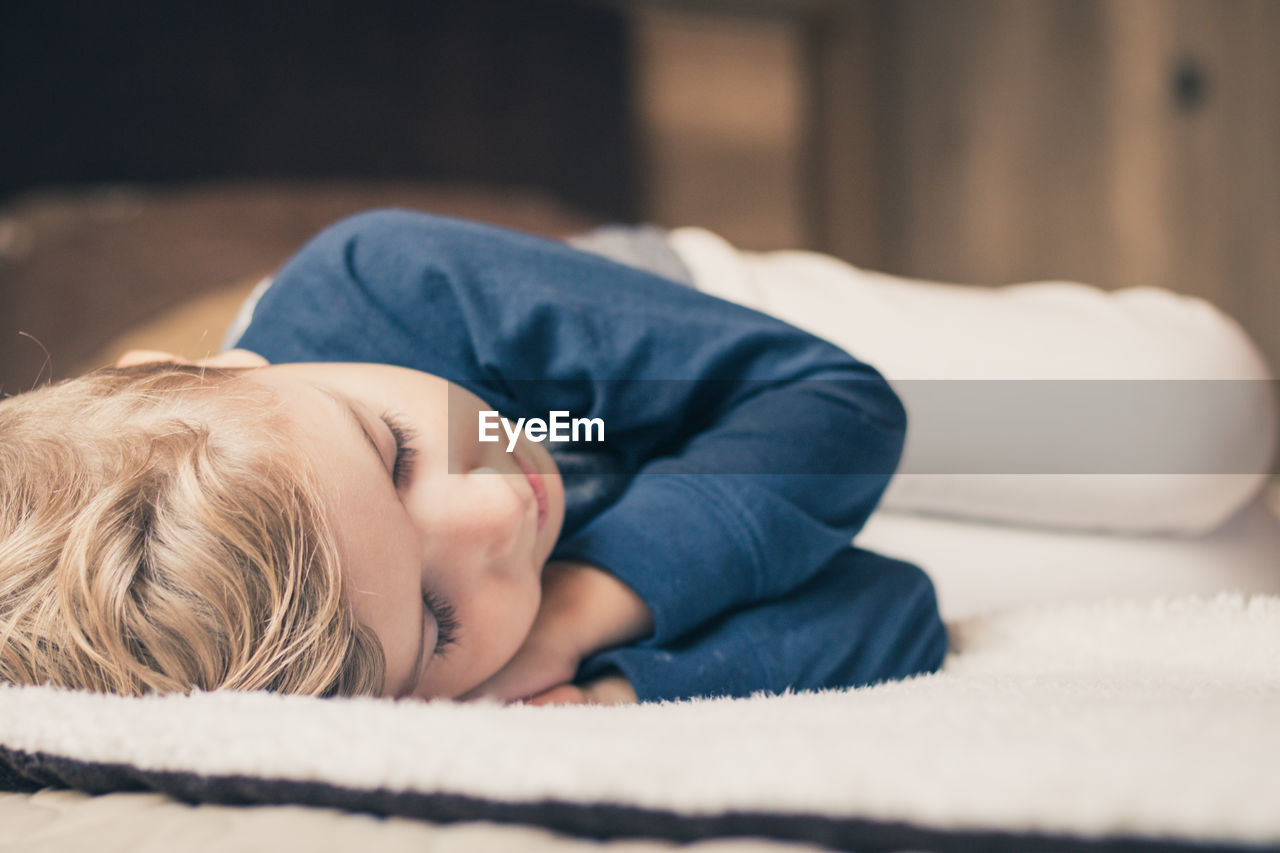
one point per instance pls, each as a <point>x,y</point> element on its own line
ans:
<point>981,568</point>
<point>1122,719</point>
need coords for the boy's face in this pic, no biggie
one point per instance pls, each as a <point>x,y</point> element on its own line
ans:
<point>463,527</point>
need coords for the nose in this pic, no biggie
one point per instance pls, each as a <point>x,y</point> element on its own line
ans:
<point>488,514</point>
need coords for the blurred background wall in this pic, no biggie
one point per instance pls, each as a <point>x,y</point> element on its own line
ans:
<point>1119,142</point>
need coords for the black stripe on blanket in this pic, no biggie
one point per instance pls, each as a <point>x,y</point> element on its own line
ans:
<point>22,771</point>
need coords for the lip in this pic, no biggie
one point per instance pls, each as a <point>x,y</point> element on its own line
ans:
<point>539,489</point>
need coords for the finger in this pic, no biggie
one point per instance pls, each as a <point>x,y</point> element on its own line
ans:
<point>563,694</point>
<point>610,690</point>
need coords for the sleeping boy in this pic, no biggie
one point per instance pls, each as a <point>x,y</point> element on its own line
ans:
<point>321,509</point>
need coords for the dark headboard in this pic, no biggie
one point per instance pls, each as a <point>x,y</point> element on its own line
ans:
<point>155,150</point>
<point>533,93</point>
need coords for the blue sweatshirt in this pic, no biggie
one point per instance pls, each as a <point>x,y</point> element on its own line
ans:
<point>742,454</point>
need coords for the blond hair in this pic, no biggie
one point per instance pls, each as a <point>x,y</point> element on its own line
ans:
<point>158,534</point>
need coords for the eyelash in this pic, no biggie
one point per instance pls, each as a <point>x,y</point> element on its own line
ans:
<point>402,469</point>
<point>446,621</point>
<point>441,610</point>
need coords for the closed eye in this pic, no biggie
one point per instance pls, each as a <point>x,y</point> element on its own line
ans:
<point>446,621</point>
<point>402,468</point>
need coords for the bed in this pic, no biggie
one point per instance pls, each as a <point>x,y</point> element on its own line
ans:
<point>1105,691</point>
<point>1144,723</point>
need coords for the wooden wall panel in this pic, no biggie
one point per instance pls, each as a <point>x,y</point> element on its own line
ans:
<point>719,105</point>
<point>1116,142</point>
<point>844,153</point>
<point>1119,142</point>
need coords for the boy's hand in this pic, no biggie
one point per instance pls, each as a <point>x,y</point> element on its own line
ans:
<point>584,610</point>
<point>611,689</point>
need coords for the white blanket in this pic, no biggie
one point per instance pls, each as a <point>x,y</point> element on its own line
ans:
<point>1105,721</point>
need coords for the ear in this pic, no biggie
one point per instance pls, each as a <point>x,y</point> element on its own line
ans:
<point>146,356</point>
<point>235,358</point>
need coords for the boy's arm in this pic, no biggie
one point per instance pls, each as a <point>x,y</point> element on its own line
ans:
<point>758,449</point>
<point>863,619</point>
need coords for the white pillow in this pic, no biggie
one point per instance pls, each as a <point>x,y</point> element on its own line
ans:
<point>1162,451</point>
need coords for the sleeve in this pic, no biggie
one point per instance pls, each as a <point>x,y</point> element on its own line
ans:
<point>760,449</point>
<point>864,618</point>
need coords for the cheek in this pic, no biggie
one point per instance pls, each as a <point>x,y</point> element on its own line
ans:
<point>503,615</point>
<point>495,622</point>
